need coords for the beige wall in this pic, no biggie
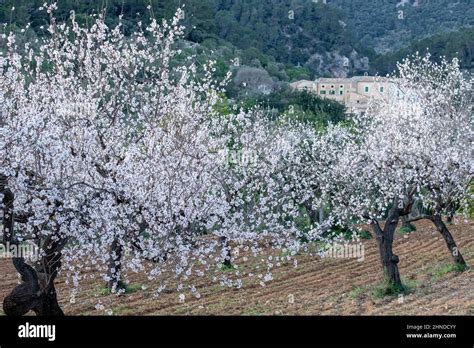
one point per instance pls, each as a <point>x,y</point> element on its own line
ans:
<point>333,89</point>
<point>353,92</point>
<point>373,89</point>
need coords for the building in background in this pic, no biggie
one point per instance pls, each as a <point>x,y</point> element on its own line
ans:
<point>355,92</point>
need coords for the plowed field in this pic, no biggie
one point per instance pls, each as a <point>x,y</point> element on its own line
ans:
<point>316,287</point>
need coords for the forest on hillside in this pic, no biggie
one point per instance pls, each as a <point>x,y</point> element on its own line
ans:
<point>284,40</point>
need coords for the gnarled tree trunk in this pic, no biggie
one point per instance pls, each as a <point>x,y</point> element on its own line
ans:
<point>7,207</point>
<point>226,251</point>
<point>115,265</point>
<point>384,239</point>
<point>450,243</point>
<point>32,294</point>
<point>448,238</point>
<point>36,291</point>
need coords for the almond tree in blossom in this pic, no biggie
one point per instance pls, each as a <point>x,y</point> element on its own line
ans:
<point>415,146</point>
<point>442,132</point>
<point>113,161</point>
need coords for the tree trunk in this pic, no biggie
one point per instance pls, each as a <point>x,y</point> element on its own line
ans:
<point>385,242</point>
<point>226,252</point>
<point>451,212</point>
<point>25,296</point>
<point>451,244</point>
<point>49,304</point>
<point>36,292</point>
<point>47,271</point>
<point>115,265</point>
<point>7,206</point>
<point>312,214</point>
<point>30,294</point>
<point>449,219</point>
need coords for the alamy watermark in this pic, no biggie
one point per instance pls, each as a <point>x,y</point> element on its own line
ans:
<point>244,158</point>
<point>37,331</point>
<point>25,250</point>
<point>345,251</point>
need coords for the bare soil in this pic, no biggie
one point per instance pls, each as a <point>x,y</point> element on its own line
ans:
<point>318,286</point>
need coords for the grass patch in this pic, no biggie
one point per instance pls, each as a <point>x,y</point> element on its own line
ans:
<point>356,292</point>
<point>123,310</point>
<point>440,271</point>
<point>407,229</point>
<point>410,284</point>
<point>227,268</point>
<point>103,290</point>
<point>388,289</point>
<point>257,310</point>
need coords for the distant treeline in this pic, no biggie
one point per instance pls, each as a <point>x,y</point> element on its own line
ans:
<point>458,44</point>
<point>289,39</point>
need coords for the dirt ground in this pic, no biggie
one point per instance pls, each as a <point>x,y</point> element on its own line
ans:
<point>317,286</point>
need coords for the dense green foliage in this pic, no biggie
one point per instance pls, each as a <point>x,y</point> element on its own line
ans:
<point>271,42</point>
<point>458,44</point>
<point>290,31</point>
<point>302,106</point>
<point>278,36</point>
<point>380,25</point>
<point>288,38</point>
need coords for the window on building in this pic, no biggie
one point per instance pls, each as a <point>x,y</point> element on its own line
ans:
<point>322,92</point>
<point>381,89</point>
<point>332,92</point>
<point>341,92</point>
<point>341,86</point>
<point>332,86</point>
<point>366,89</point>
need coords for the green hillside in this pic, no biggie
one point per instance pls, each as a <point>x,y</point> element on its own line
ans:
<point>387,25</point>
<point>268,43</point>
<point>458,44</point>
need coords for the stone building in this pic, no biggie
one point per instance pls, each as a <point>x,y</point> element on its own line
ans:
<point>354,92</point>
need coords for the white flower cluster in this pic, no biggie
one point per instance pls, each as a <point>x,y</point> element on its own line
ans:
<point>415,146</point>
<point>108,148</point>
